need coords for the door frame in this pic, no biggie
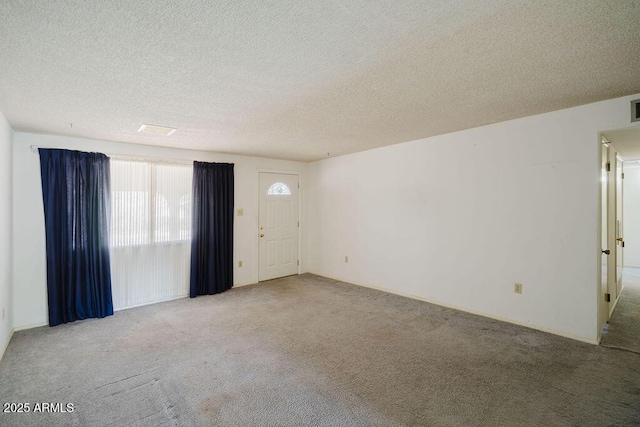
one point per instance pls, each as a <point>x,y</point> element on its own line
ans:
<point>612,217</point>
<point>619,226</point>
<point>610,242</point>
<point>602,307</point>
<point>256,233</point>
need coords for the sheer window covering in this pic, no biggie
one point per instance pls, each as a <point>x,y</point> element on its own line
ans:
<point>150,231</point>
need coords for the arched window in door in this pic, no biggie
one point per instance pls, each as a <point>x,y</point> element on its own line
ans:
<point>279,189</point>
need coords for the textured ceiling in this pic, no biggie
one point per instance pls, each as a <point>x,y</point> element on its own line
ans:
<point>296,79</point>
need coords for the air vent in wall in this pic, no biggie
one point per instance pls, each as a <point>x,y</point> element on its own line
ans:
<point>635,110</point>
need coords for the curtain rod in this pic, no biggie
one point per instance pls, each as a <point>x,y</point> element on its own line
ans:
<point>117,156</point>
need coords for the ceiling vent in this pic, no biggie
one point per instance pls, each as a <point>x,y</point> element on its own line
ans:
<point>635,110</point>
<point>156,130</point>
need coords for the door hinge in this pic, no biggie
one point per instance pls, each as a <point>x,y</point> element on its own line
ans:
<point>622,175</point>
<point>298,263</point>
<point>607,297</point>
<point>608,166</point>
<point>298,185</point>
<point>298,223</point>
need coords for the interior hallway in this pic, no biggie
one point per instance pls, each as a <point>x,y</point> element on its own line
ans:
<point>623,330</point>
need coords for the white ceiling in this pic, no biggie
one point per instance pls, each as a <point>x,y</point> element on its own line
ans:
<point>296,79</point>
<point>626,142</point>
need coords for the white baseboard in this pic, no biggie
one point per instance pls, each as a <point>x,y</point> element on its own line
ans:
<point>30,326</point>
<point>150,302</point>
<point>239,285</point>
<point>6,344</point>
<point>471,311</point>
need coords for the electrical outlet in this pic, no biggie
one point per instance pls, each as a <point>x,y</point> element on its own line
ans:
<point>346,258</point>
<point>239,264</point>
<point>517,288</point>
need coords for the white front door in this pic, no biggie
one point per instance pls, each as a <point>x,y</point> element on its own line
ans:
<point>278,225</point>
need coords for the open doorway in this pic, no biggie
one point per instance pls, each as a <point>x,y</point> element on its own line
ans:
<point>621,238</point>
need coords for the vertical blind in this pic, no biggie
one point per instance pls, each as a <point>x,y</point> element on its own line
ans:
<point>150,237</point>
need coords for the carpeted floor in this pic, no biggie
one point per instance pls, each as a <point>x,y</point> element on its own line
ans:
<point>306,350</point>
<point>623,330</point>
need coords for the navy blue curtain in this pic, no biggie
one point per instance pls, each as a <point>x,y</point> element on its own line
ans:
<point>75,192</point>
<point>212,229</point>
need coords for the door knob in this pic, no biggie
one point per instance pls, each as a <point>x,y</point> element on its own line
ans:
<point>619,239</point>
<point>606,251</point>
<point>261,235</point>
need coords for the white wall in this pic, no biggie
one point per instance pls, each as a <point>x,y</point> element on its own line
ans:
<point>6,324</point>
<point>457,219</point>
<point>30,301</point>
<point>631,215</point>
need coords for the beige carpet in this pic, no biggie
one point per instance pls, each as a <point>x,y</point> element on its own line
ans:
<point>306,350</point>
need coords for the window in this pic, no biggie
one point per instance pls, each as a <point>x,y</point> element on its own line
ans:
<point>150,203</point>
<point>150,233</point>
<point>279,189</point>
